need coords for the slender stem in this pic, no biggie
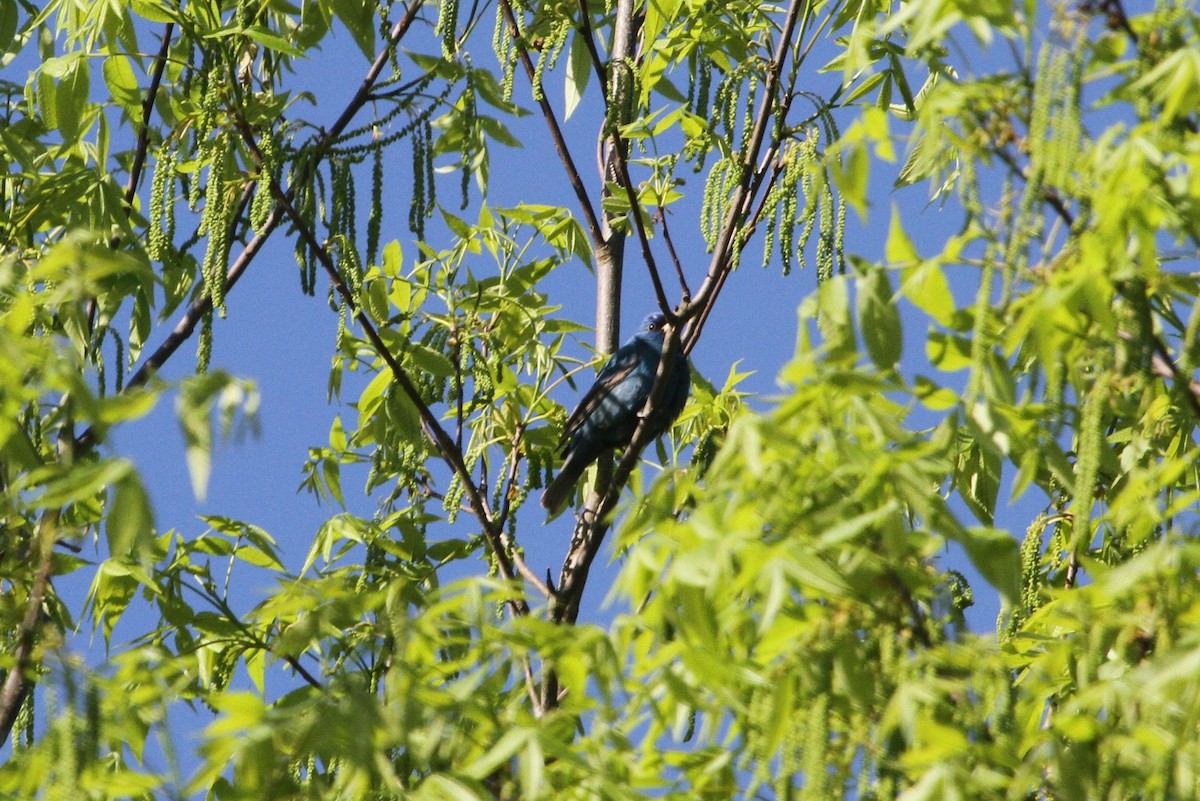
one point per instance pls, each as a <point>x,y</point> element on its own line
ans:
<point>685,293</point>
<point>143,141</point>
<point>139,152</point>
<point>635,210</point>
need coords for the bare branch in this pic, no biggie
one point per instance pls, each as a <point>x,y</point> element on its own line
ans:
<point>685,293</point>
<point>635,208</point>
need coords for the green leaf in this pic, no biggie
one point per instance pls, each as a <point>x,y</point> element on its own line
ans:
<point>948,352</point>
<point>84,480</point>
<point>359,18</point>
<point>879,318</point>
<point>71,100</point>
<point>122,83</point>
<point>129,525</point>
<point>430,360</point>
<point>995,554</point>
<point>834,316</point>
<point>8,23</point>
<point>269,38</point>
<point>977,476</point>
<point>579,71</point>
<point>154,10</point>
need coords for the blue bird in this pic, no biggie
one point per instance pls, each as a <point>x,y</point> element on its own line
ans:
<point>608,414</point>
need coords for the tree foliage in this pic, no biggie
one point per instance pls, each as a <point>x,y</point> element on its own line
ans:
<point>787,625</point>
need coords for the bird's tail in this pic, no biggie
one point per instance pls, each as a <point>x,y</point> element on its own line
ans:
<point>563,485</point>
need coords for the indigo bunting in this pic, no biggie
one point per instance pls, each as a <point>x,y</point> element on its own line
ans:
<point>608,414</point>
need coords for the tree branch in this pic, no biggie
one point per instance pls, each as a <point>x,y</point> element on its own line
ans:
<point>139,153</point>
<point>684,292</point>
<point>143,141</point>
<point>16,684</point>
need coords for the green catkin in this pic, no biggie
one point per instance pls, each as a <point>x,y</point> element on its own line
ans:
<point>839,235</point>
<point>1136,349</point>
<point>375,221</point>
<point>1090,441</point>
<point>303,203</point>
<point>1048,73</point>
<point>204,343</point>
<point>24,723</point>
<point>698,103</point>
<point>816,748</point>
<point>97,356</point>
<point>808,187</point>
<point>321,209</point>
<point>342,202</point>
<point>264,201</point>
<point>417,205</point>
<point>471,121</point>
<point>725,175</point>
<point>217,223</point>
<point>156,245</point>
<point>825,234</point>
<point>430,186</point>
<point>790,750</point>
<point>552,47</point>
<point>790,184</point>
<point>1031,579</point>
<point>447,28</point>
<point>207,149</point>
<point>453,498</point>
<point>502,45</point>
<point>748,113</point>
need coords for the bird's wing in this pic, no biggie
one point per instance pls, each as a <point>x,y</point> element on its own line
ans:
<point>619,368</point>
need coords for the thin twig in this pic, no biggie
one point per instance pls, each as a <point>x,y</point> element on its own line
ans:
<point>684,292</point>
<point>143,141</point>
<point>635,208</point>
<point>220,604</point>
<point>139,152</point>
<point>1163,365</point>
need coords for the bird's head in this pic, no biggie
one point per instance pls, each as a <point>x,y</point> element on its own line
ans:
<point>654,323</point>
